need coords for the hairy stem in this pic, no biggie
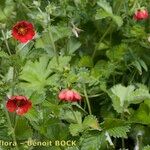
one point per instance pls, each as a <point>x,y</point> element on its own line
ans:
<point>53,44</point>
<point>87,100</point>
<point>10,126</point>
<point>6,43</point>
<point>108,29</point>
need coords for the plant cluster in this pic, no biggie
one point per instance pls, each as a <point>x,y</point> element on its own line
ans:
<point>75,70</point>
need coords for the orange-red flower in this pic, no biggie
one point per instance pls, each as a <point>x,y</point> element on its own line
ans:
<point>18,104</point>
<point>23,31</point>
<point>141,14</point>
<point>69,95</point>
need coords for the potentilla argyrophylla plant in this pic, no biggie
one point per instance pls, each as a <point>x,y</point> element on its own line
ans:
<point>74,75</point>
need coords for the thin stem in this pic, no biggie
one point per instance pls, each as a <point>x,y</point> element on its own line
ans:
<point>6,43</point>
<point>10,126</point>
<point>122,139</point>
<point>74,115</point>
<point>87,100</point>
<point>107,31</point>
<point>53,44</point>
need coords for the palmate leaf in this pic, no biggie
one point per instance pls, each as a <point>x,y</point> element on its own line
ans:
<point>75,129</point>
<point>86,61</point>
<point>89,122</point>
<point>23,130</point>
<point>146,147</point>
<point>123,96</point>
<point>36,75</point>
<point>71,116</point>
<point>142,114</point>
<point>93,141</point>
<point>116,127</point>
<point>118,96</point>
<point>58,32</point>
<point>106,11</point>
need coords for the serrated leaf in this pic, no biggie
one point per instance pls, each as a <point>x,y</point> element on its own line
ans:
<point>138,66</point>
<point>97,141</point>
<point>23,130</point>
<point>123,96</point>
<point>3,54</point>
<point>71,116</point>
<point>107,12</point>
<point>35,74</point>
<point>118,20</point>
<point>143,64</point>
<point>37,97</point>
<point>146,147</point>
<point>117,53</point>
<point>72,46</point>
<point>90,121</point>
<point>75,129</point>
<point>116,128</point>
<point>58,32</point>
<point>86,61</point>
<point>119,96</point>
<point>105,5</point>
<point>142,114</point>
<point>138,95</point>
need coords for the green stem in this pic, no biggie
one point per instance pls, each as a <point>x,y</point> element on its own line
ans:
<point>108,29</point>
<point>122,139</point>
<point>10,126</point>
<point>74,115</point>
<point>6,43</point>
<point>53,44</point>
<point>87,100</point>
<point>106,32</point>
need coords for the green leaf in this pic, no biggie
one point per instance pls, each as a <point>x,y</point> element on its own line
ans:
<point>55,109</point>
<point>101,14</point>
<point>119,94</point>
<point>116,127</point>
<point>97,140</point>
<point>58,32</point>
<point>90,121</point>
<point>3,54</point>
<point>118,20</point>
<point>137,65</point>
<point>72,46</point>
<point>142,114</point>
<point>35,74</point>
<point>75,129</point>
<point>138,95</point>
<point>37,97</point>
<point>86,61</point>
<point>117,53</point>
<point>146,147</point>
<point>123,96</point>
<point>105,5</point>
<point>71,116</point>
<point>107,12</point>
<point>23,130</point>
<point>72,148</point>
<point>143,64</point>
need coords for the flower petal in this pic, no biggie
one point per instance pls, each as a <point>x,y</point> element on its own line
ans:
<point>11,105</point>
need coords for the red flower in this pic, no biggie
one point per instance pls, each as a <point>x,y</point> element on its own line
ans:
<point>69,95</point>
<point>23,31</point>
<point>18,104</point>
<point>141,14</point>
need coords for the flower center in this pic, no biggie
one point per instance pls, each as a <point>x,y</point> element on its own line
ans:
<point>22,30</point>
<point>20,103</point>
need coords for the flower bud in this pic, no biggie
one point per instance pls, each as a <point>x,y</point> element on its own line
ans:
<point>141,14</point>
